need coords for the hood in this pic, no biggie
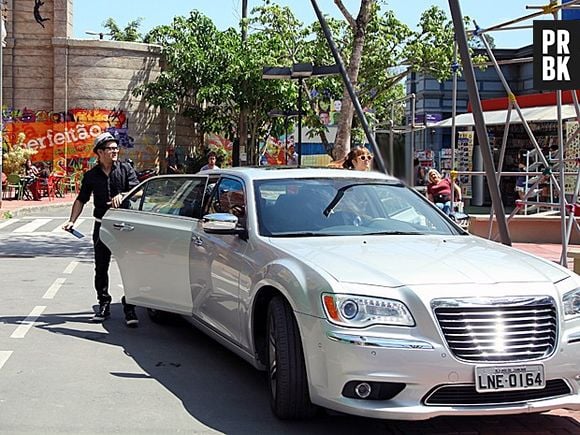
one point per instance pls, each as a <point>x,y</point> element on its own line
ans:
<point>415,260</point>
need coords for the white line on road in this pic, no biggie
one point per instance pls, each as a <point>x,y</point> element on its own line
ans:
<point>51,292</point>
<point>4,355</point>
<point>8,222</point>
<point>59,229</point>
<point>32,226</point>
<point>27,323</point>
<point>71,266</point>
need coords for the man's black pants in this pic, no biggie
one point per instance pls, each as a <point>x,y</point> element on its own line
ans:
<point>102,263</point>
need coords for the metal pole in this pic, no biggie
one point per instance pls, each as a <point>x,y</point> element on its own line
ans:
<point>300,80</point>
<point>1,100</point>
<point>473,92</point>
<point>391,147</point>
<point>286,138</point>
<point>411,176</point>
<point>66,110</point>
<point>351,92</point>
<point>454,67</point>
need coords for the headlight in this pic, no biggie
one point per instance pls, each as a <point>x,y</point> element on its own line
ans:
<point>361,311</point>
<point>571,303</point>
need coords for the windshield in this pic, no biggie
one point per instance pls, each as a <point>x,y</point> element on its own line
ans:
<point>342,207</point>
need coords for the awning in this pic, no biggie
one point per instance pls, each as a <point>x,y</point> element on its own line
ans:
<point>498,117</point>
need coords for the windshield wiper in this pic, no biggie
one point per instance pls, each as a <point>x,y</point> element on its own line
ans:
<point>393,233</point>
<point>339,194</point>
<point>301,234</point>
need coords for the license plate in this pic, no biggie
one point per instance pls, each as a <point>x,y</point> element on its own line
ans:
<point>507,378</point>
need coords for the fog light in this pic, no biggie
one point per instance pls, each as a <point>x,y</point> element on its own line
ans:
<point>367,390</point>
<point>363,390</point>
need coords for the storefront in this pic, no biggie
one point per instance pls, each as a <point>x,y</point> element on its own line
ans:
<point>541,114</point>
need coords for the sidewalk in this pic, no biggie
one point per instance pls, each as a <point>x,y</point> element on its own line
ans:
<point>13,208</point>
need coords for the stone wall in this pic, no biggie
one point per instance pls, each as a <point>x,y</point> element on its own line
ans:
<point>44,69</point>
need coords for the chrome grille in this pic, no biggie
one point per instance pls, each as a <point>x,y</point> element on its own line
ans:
<point>466,395</point>
<point>503,329</point>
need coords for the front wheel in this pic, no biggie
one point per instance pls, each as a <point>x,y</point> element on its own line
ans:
<point>160,317</point>
<point>287,379</point>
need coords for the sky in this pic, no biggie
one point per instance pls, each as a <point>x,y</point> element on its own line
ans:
<point>89,15</point>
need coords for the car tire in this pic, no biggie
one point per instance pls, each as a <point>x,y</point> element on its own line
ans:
<point>287,378</point>
<point>160,317</point>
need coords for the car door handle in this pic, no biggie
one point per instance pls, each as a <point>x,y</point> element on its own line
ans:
<point>197,241</point>
<point>123,227</point>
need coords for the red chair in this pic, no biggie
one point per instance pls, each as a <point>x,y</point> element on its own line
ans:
<point>47,187</point>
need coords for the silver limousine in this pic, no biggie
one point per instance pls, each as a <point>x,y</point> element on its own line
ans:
<point>352,292</point>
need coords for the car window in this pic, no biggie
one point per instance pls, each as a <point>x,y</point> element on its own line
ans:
<point>178,196</point>
<point>344,207</point>
<point>228,197</point>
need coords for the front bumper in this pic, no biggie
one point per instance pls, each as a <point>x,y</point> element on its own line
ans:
<point>335,356</point>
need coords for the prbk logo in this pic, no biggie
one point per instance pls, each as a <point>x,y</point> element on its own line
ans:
<point>556,54</point>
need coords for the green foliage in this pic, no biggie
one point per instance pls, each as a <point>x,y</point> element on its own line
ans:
<point>13,161</point>
<point>130,33</point>
<point>211,76</point>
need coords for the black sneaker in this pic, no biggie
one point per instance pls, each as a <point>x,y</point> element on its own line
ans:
<point>103,312</point>
<point>131,319</point>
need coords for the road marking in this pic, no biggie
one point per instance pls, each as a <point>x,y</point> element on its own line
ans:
<point>28,323</point>
<point>51,292</point>
<point>71,266</point>
<point>32,226</point>
<point>59,229</point>
<point>4,355</point>
<point>8,222</point>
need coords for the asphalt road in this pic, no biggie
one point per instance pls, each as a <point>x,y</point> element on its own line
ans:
<point>60,373</point>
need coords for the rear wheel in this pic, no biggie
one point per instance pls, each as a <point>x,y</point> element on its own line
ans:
<point>287,379</point>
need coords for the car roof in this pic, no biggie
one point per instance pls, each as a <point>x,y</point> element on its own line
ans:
<point>276,172</point>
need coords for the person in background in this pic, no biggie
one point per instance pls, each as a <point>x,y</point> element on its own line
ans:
<point>520,187</point>
<point>172,160</point>
<point>43,170</point>
<point>420,174</point>
<point>31,173</point>
<point>291,156</point>
<point>107,182</point>
<point>439,191</point>
<point>359,159</point>
<point>30,170</point>
<point>211,162</point>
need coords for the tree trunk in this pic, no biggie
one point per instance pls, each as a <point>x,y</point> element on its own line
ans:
<point>358,26</point>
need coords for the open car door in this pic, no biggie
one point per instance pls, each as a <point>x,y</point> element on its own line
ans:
<point>150,237</point>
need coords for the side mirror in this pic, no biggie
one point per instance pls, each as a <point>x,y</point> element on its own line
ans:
<point>222,223</point>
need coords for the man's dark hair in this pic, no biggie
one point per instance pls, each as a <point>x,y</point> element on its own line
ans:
<point>211,154</point>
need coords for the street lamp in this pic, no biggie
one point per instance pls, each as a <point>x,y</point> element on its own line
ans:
<point>299,71</point>
<point>99,34</point>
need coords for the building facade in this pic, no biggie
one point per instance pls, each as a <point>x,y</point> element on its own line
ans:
<point>60,92</point>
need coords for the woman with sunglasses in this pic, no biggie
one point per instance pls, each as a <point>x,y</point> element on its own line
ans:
<point>359,159</point>
<point>439,191</point>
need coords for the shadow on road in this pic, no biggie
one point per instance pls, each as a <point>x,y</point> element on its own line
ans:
<point>57,245</point>
<point>223,392</point>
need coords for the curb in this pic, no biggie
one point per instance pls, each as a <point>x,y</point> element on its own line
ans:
<point>23,211</point>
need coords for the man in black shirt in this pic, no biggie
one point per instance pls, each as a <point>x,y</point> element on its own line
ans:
<point>106,182</point>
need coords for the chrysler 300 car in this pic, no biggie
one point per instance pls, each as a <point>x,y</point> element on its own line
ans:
<point>352,292</point>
